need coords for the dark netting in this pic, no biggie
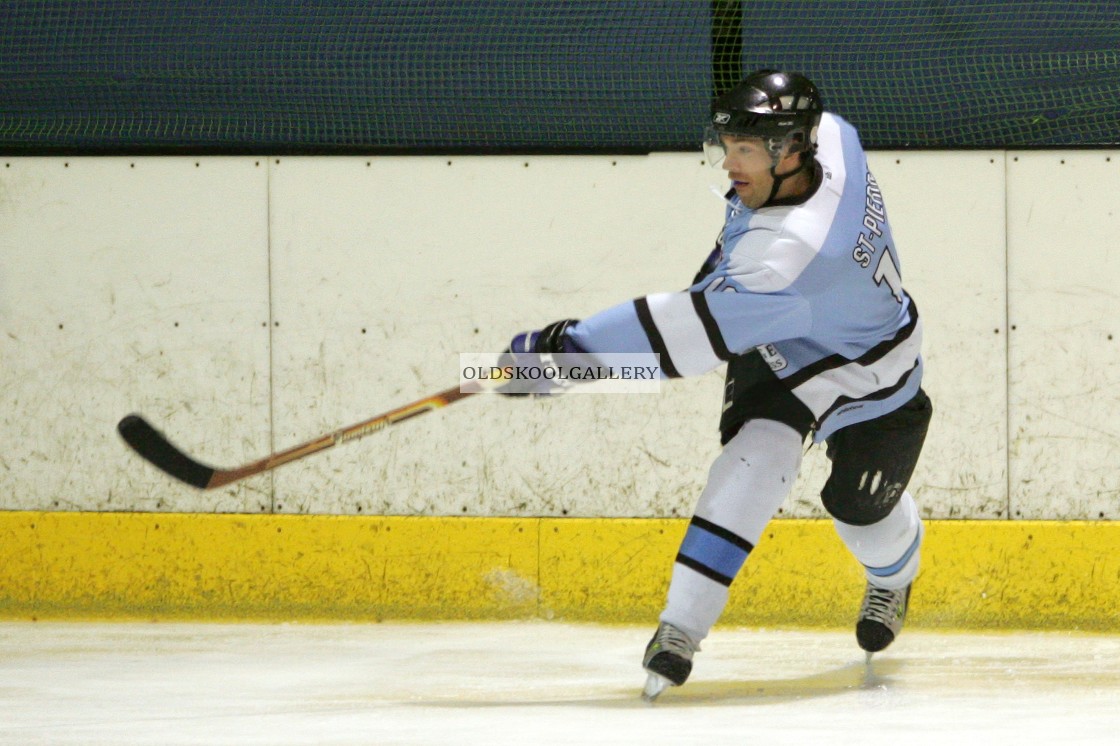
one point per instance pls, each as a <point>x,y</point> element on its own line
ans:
<point>541,75</point>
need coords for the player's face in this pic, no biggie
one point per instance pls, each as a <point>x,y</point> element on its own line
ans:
<point>748,163</point>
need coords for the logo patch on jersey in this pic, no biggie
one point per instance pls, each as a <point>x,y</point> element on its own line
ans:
<point>773,358</point>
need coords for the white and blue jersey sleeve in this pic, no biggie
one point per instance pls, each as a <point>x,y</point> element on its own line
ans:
<point>816,287</point>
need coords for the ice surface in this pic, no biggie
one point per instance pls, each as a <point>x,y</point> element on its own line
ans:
<point>543,683</point>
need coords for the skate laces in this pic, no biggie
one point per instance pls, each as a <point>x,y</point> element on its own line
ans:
<point>672,640</point>
<point>884,606</point>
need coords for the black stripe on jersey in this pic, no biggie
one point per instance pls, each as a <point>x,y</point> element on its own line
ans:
<point>874,354</point>
<point>722,533</point>
<point>641,305</point>
<point>715,337</point>
<point>842,401</point>
<point>704,570</point>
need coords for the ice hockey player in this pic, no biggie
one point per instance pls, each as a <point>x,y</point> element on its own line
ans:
<point>803,299</point>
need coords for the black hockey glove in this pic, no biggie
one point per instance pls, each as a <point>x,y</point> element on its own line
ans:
<point>529,357</point>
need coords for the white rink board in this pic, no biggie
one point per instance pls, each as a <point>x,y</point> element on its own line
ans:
<point>384,270</point>
<point>1065,334</point>
<point>951,233</point>
<point>130,284</point>
<point>316,292</point>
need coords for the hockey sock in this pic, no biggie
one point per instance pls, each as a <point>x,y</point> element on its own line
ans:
<point>747,483</point>
<point>889,549</point>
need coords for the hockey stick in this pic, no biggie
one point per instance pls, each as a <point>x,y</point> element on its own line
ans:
<point>154,446</point>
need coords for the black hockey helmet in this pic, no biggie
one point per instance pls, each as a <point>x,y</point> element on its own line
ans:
<point>778,107</point>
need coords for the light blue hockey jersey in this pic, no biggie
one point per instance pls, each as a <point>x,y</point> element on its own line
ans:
<point>816,287</point>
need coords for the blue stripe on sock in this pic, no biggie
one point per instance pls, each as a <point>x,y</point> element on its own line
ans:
<point>883,572</point>
<point>722,556</point>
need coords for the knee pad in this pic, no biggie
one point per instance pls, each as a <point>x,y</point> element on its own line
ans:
<point>866,499</point>
<point>872,463</point>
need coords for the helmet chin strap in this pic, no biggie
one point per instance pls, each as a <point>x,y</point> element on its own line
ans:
<point>778,179</point>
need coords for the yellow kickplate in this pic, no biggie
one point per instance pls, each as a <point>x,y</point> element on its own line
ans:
<point>1017,574</point>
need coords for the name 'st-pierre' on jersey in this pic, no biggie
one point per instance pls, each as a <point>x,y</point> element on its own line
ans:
<point>815,286</point>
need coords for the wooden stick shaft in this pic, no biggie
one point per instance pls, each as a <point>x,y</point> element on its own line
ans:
<point>351,432</point>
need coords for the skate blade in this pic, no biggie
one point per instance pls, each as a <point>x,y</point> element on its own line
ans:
<point>654,686</point>
<point>867,660</point>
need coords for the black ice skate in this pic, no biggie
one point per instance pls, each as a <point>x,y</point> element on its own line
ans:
<point>668,660</point>
<point>881,617</point>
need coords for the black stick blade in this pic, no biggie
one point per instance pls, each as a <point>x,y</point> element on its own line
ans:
<point>158,451</point>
